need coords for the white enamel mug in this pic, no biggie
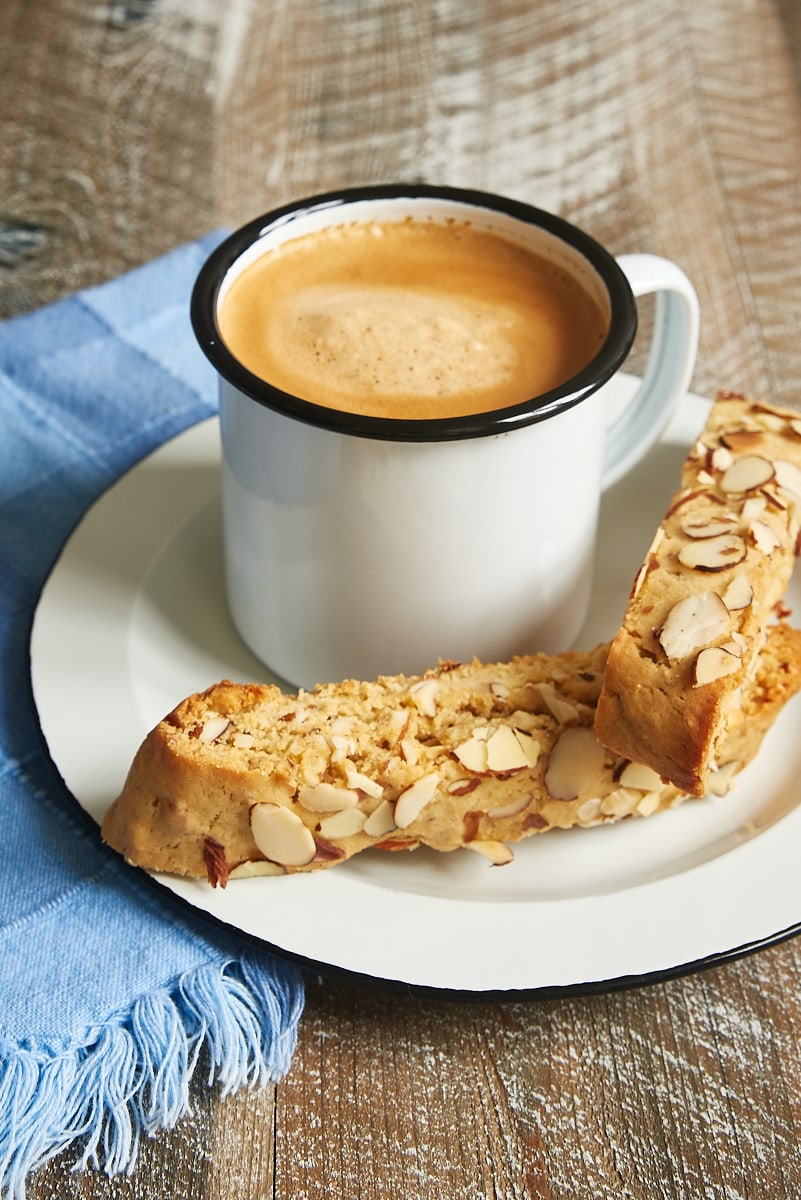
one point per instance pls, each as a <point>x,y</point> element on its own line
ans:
<point>357,546</point>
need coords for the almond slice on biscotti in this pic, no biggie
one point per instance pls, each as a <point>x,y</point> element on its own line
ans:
<point>701,605</point>
<point>243,780</point>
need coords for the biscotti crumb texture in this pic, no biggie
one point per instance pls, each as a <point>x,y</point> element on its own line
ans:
<point>243,779</point>
<point>711,583</point>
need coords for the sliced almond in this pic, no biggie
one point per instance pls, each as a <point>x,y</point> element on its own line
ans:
<point>410,751</point>
<point>499,690</point>
<point>512,809</point>
<point>281,836</point>
<point>746,474</point>
<point>620,803</point>
<point>363,783</point>
<point>788,477</point>
<point>327,797</point>
<point>721,458</point>
<point>795,425</point>
<point>720,780</point>
<point>766,539</point>
<point>412,801</point>
<point>398,721</point>
<point>739,594</point>
<point>472,754</point>
<point>715,663</point>
<point>213,728</point>
<point>694,622</point>
<point>575,765</point>
<point>530,747</point>
<point>504,752</point>
<point>713,553</point>
<point>424,696</point>
<point>343,824</point>
<point>463,787</point>
<point>709,526</point>
<point>649,804</point>
<point>562,710</point>
<point>381,821</point>
<point>775,497</point>
<point>743,439</point>
<point>753,506</point>
<point>498,853</point>
<point>254,867</point>
<point>639,776</point>
<point>589,812</point>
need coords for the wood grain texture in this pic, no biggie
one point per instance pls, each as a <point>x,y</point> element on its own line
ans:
<point>660,125</point>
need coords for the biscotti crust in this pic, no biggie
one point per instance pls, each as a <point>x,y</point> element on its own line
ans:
<point>242,779</point>
<point>711,583</point>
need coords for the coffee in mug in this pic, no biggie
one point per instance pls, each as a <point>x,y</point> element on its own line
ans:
<point>414,423</point>
<point>410,319</point>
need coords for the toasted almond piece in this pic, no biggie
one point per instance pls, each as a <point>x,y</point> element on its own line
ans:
<point>620,803</point>
<point>243,741</point>
<point>753,506</point>
<point>327,797</point>
<point>649,804</point>
<point>513,809</point>
<point>410,751</point>
<point>739,594</point>
<point>720,780</point>
<point>590,811</point>
<point>530,747</point>
<point>412,800</point>
<point>424,696</point>
<point>343,824</point>
<point>281,836</point>
<point>795,426</point>
<point>575,764</point>
<point>775,497</point>
<point>472,754</point>
<point>694,622</point>
<point>498,853</point>
<point>381,821</point>
<point>714,663</point>
<point>213,728</point>
<point>562,710</point>
<point>504,751</point>
<point>713,553</point>
<point>343,747</point>
<point>463,787</point>
<point>788,477</point>
<point>639,776</point>
<point>254,867</point>
<point>743,439</point>
<point>499,690</point>
<point>362,783</point>
<point>746,474</point>
<point>765,537</point>
<point>709,526</point>
<point>721,458</point>
<point>398,721</point>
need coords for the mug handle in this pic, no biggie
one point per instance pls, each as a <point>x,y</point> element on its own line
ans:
<point>671,361</point>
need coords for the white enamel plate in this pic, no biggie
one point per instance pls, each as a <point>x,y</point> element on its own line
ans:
<point>133,618</point>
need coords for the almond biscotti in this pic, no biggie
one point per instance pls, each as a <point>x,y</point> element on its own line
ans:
<point>701,605</point>
<point>243,779</point>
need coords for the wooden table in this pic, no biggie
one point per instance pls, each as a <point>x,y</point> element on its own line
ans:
<point>662,125</point>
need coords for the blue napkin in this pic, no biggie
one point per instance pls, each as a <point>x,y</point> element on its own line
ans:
<point>110,996</point>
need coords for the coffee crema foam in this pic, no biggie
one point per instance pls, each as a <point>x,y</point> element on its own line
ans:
<point>409,320</point>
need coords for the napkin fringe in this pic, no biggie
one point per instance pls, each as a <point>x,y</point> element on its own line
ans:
<point>133,1077</point>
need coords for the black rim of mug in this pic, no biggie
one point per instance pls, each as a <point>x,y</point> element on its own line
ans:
<point>602,367</point>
